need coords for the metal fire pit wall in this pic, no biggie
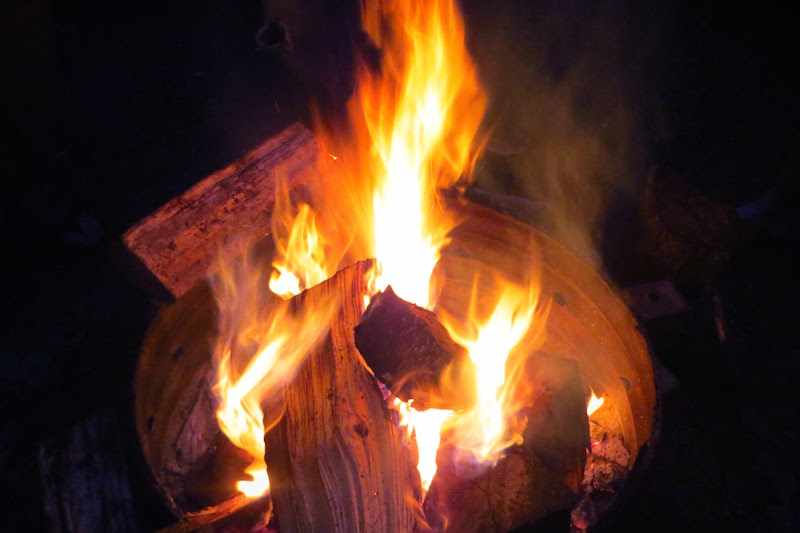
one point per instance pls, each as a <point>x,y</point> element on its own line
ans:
<point>587,322</point>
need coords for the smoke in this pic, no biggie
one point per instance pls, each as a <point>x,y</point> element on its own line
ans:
<point>572,108</point>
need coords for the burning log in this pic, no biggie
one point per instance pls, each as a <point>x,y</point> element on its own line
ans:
<point>335,460</point>
<point>519,489</point>
<point>409,350</point>
<point>530,481</point>
<point>179,242</point>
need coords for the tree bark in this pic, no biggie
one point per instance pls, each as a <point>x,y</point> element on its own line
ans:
<point>335,460</point>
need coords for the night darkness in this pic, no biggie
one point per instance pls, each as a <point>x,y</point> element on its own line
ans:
<point>110,109</point>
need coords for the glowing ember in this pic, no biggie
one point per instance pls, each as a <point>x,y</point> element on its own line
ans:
<point>594,403</point>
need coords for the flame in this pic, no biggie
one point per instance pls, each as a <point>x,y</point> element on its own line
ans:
<point>594,403</point>
<point>302,259</point>
<point>422,112</point>
<point>412,125</point>
<point>425,427</point>
<point>492,424</point>
<point>260,347</point>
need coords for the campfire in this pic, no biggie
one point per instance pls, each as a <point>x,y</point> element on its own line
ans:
<point>392,357</point>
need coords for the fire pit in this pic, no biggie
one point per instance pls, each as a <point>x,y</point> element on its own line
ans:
<point>195,466</point>
<point>392,357</point>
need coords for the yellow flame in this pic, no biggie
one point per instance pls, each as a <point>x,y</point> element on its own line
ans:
<point>490,425</point>
<point>422,112</point>
<point>425,427</point>
<point>260,347</point>
<point>412,125</point>
<point>302,258</point>
<point>594,403</point>
<point>258,485</point>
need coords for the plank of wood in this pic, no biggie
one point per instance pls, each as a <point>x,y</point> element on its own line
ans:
<point>181,240</point>
<point>335,460</point>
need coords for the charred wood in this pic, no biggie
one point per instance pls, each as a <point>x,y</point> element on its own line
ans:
<point>558,426</point>
<point>409,350</point>
<point>517,490</point>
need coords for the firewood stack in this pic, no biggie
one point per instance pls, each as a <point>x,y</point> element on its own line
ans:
<point>336,460</point>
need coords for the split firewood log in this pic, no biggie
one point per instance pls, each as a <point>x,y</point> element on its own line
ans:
<point>178,243</point>
<point>336,461</point>
<point>409,350</point>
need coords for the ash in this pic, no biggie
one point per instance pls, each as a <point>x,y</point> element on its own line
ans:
<point>604,474</point>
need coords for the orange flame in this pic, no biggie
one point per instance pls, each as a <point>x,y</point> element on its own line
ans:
<point>422,112</point>
<point>302,258</point>
<point>260,347</point>
<point>483,431</point>
<point>594,403</point>
<point>413,122</point>
<point>425,427</point>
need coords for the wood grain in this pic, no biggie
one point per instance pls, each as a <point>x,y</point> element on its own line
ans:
<point>335,460</point>
<point>181,240</point>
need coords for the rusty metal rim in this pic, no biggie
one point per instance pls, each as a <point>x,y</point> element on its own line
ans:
<point>642,461</point>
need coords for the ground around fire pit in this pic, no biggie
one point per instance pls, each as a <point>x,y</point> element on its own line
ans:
<point>110,109</point>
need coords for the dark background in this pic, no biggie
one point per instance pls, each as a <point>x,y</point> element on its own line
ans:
<point>109,109</point>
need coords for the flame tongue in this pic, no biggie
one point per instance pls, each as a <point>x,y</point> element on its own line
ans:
<point>491,425</point>
<point>260,346</point>
<point>594,403</point>
<point>420,115</point>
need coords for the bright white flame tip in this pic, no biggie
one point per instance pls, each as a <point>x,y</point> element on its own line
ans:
<point>256,487</point>
<point>594,403</point>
